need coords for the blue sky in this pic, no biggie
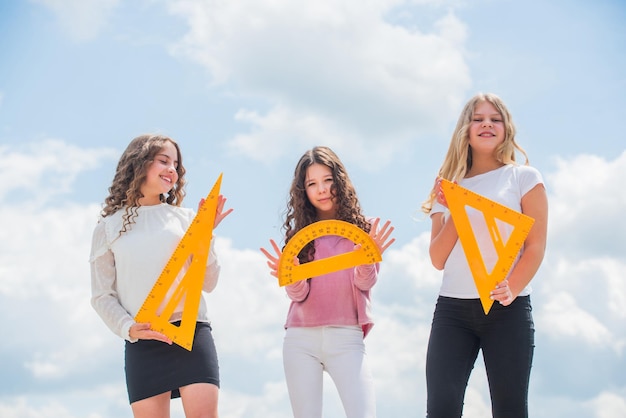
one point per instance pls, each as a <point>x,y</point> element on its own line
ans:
<point>246,87</point>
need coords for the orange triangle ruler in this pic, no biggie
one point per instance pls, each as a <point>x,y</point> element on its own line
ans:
<point>288,273</point>
<point>458,199</point>
<point>168,292</point>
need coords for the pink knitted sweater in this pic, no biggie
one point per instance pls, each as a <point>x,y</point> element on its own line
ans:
<point>339,298</point>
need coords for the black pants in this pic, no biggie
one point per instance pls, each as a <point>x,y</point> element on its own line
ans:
<point>506,336</point>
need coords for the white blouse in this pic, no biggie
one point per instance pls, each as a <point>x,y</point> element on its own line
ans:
<point>506,185</point>
<point>125,267</point>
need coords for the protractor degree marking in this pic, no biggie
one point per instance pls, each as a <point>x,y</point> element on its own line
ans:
<point>289,273</point>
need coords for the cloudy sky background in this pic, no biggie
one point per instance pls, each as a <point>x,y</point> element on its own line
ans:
<point>246,87</point>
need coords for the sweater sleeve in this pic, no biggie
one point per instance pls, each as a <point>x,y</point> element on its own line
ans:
<point>366,275</point>
<point>212,270</point>
<point>298,291</point>
<point>104,296</point>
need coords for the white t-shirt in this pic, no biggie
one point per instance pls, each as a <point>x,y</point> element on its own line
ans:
<point>506,185</point>
<point>124,268</point>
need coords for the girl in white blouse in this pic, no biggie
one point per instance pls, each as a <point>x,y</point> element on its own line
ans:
<point>140,226</point>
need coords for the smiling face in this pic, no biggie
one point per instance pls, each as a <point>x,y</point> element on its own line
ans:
<point>160,176</point>
<point>487,129</point>
<point>318,185</point>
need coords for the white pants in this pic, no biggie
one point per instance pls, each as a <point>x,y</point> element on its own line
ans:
<point>340,351</point>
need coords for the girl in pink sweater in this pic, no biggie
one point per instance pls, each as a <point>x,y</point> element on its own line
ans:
<point>329,314</point>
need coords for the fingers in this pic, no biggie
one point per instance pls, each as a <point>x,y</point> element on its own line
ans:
<point>219,211</point>
<point>381,236</point>
<point>384,247</point>
<point>386,230</point>
<point>439,194</point>
<point>269,255</point>
<point>276,247</point>
<point>142,331</point>
<point>140,326</point>
<point>272,262</point>
<point>154,335</point>
<point>221,202</point>
<point>273,259</point>
<point>502,293</point>
<point>375,226</point>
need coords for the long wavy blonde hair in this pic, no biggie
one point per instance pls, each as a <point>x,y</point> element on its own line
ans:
<point>458,160</point>
<point>300,212</point>
<point>130,174</point>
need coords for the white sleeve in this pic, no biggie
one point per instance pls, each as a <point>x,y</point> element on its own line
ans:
<point>212,272</point>
<point>104,296</point>
<point>529,178</point>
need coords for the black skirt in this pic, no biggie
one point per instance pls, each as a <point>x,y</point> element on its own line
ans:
<point>153,367</point>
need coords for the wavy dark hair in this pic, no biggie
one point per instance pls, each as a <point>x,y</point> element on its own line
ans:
<point>130,174</point>
<point>300,212</point>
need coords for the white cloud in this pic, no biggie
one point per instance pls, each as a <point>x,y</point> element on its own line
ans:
<point>346,72</point>
<point>272,401</point>
<point>22,409</point>
<point>594,278</point>
<point>608,405</point>
<point>588,202</point>
<point>247,296</point>
<point>413,260</point>
<point>46,168</point>
<point>564,318</point>
<point>582,278</point>
<point>283,131</point>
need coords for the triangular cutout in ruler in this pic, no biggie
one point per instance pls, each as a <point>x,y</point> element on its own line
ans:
<point>288,273</point>
<point>458,199</point>
<point>166,295</point>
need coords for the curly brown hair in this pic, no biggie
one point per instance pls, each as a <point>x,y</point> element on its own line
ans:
<point>300,212</point>
<point>130,174</point>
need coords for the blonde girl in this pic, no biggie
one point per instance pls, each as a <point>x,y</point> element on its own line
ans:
<point>481,157</point>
